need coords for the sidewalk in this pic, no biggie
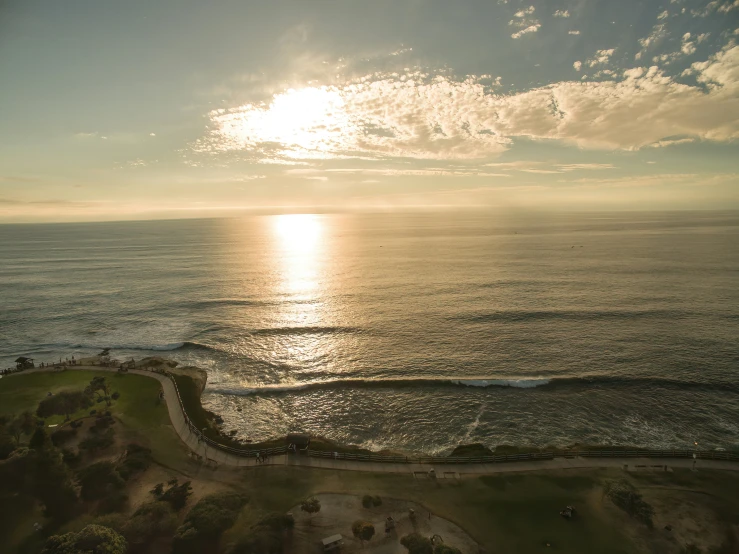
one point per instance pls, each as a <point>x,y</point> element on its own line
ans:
<point>214,455</point>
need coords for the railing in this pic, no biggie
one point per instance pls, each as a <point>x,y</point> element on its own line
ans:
<point>532,456</point>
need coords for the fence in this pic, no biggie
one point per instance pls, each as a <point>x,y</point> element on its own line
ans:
<point>436,460</point>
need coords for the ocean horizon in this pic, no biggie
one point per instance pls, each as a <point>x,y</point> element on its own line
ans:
<point>413,332</point>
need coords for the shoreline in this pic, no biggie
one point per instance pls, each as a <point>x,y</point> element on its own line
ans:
<point>323,451</point>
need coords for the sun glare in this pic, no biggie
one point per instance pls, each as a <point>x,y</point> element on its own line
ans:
<point>304,122</point>
<point>299,241</point>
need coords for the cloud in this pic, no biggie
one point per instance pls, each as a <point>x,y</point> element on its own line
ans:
<point>664,15</point>
<point>658,34</point>
<point>671,142</point>
<point>601,57</point>
<point>435,117</point>
<point>562,13</point>
<point>575,167</point>
<point>573,32</point>
<point>530,29</point>
<point>523,13</point>
<point>577,65</point>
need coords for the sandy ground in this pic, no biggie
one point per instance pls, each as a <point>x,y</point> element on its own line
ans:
<point>339,511</point>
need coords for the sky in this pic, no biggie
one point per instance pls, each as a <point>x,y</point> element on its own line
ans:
<point>145,109</point>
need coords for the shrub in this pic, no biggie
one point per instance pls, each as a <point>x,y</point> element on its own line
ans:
<point>63,403</point>
<point>7,445</point>
<point>367,501</point>
<point>265,537</point>
<point>210,517</point>
<point>363,530</point>
<point>376,501</point>
<point>116,395</point>
<point>70,457</point>
<point>311,506</point>
<point>93,538</point>
<point>39,439</point>
<point>98,480</point>
<point>625,496</point>
<point>97,441</point>
<point>151,520</point>
<point>136,460</point>
<point>176,495</point>
<point>62,436</point>
<point>417,544</point>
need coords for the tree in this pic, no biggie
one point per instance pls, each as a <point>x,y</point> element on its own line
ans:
<point>94,539</point>
<point>23,424</point>
<point>100,387</point>
<point>417,544</point>
<point>266,537</point>
<point>63,403</point>
<point>99,480</point>
<point>39,439</point>
<point>363,530</point>
<point>151,520</point>
<point>176,495</point>
<point>312,506</point>
<point>203,525</point>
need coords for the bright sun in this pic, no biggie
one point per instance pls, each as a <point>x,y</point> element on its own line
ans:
<point>304,121</point>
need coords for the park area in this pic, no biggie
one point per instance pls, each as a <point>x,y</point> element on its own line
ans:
<point>120,477</point>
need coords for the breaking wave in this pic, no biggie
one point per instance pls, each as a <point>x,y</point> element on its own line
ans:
<point>400,383</point>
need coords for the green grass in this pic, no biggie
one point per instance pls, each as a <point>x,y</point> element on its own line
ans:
<point>146,420</point>
<point>508,513</point>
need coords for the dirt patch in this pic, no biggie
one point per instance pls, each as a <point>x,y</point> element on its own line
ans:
<point>339,511</point>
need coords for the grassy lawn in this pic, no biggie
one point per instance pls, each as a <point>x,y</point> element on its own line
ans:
<point>145,418</point>
<point>508,513</point>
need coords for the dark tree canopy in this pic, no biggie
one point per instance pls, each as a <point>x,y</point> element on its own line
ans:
<point>311,505</point>
<point>417,544</point>
<point>63,403</point>
<point>363,530</point>
<point>92,539</point>
<point>99,480</point>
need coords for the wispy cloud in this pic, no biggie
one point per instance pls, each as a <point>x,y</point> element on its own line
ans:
<point>562,13</point>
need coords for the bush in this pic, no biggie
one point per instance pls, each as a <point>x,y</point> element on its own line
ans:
<point>363,530</point>
<point>93,538</point>
<point>417,544</point>
<point>376,501</point>
<point>7,445</point>
<point>367,501</point>
<point>210,517</point>
<point>39,439</point>
<point>150,521</point>
<point>97,441</point>
<point>63,403</point>
<point>266,537</point>
<point>625,496</point>
<point>136,460</point>
<point>99,480</point>
<point>70,457</point>
<point>176,495</point>
<point>116,395</point>
<point>62,436</point>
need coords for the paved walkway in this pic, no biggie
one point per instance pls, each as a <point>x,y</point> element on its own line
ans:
<point>219,457</point>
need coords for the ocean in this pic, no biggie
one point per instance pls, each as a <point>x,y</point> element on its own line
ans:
<point>415,332</point>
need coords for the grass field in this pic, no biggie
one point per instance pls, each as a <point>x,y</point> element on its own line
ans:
<point>512,513</point>
<point>145,418</point>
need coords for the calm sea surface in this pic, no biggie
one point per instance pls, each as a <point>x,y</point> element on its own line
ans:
<point>416,332</point>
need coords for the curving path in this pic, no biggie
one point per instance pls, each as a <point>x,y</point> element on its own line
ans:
<point>219,457</point>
